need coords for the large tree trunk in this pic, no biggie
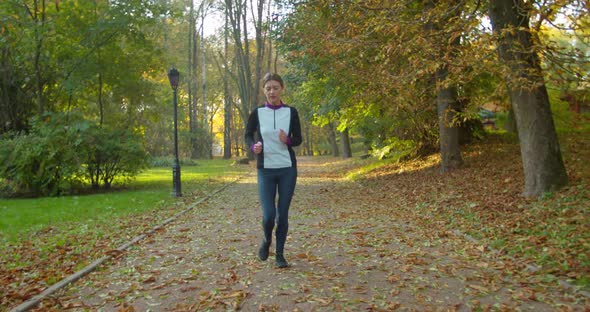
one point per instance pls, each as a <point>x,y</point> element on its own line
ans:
<point>446,93</point>
<point>447,106</point>
<point>544,170</point>
<point>345,143</point>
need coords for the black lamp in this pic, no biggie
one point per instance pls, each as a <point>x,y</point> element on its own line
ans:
<point>174,77</point>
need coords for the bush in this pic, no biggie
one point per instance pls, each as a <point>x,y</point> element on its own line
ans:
<point>169,162</point>
<point>113,153</point>
<point>394,148</point>
<point>43,162</point>
<point>62,151</point>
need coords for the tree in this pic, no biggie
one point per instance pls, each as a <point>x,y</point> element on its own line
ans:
<point>345,144</point>
<point>206,118</point>
<point>227,111</point>
<point>544,170</point>
<point>333,141</point>
<point>16,101</point>
<point>378,50</point>
<point>237,13</point>
<point>566,56</point>
<point>38,15</point>
<point>27,36</point>
<point>193,37</point>
<point>446,92</point>
<point>260,38</point>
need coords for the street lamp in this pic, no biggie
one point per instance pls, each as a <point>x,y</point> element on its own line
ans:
<point>174,76</point>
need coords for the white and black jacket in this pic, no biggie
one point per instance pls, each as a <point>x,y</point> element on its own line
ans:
<point>264,124</point>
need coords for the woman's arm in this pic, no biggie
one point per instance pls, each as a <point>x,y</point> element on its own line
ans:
<point>251,128</point>
<point>295,135</point>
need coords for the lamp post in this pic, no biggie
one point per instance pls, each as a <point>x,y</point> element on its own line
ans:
<point>174,76</point>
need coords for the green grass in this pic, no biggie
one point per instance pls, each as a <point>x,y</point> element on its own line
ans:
<point>150,190</point>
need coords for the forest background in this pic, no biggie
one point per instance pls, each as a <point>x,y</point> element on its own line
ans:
<point>395,80</point>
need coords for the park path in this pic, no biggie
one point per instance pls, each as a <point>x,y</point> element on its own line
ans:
<point>346,253</point>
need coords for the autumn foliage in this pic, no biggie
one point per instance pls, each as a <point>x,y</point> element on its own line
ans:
<point>478,208</point>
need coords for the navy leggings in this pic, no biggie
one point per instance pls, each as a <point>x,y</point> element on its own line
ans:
<point>269,181</point>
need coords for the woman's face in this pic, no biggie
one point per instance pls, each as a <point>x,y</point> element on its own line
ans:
<point>273,91</point>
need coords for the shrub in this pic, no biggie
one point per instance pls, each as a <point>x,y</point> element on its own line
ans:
<point>169,162</point>
<point>61,151</point>
<point>394,148</point>
<point>44,161</point>
<point>113,153</point>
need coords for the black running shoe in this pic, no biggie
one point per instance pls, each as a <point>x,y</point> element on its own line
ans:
<point>281,262</point>
<point>263,250</point>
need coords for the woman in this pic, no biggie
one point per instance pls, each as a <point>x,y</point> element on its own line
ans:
<point>278,130</point>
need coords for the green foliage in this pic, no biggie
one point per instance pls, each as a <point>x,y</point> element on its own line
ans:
<point>45,161</point>
<point>96,57</point>
<point>62,151</point>
<point>113,153</point>
<point>565,60</point>
<point>394,148</point>
<point>390,63</point>
<point>562,116</point>
<point>366,72</point>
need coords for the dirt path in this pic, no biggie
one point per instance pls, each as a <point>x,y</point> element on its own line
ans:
<point>345,253</point>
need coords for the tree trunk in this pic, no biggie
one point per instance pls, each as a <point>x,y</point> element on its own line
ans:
<point>333,141</point>
<point>544,170</point>
<point>236,15</point>
<point>208,152</point>
<point>100,90</point>
<point>253,93</point>
<point>308,140</point>
<point>446,93</point>
<point>192,82</point>
<point>39,36</point>
<point>8,108</point>
<point>239,22</point>
<point>345,143</point>
<point>226,124</point>
<point>446,102</point>
<point>226,96</point>
<point>260,47</point>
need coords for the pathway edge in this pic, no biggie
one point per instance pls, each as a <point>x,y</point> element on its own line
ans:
<point>34,301</point>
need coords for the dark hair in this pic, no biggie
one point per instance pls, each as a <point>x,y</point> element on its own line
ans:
<point>272,76</point>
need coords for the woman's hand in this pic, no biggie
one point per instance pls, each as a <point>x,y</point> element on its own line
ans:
<point>257,148</point>
<point>283,136</point>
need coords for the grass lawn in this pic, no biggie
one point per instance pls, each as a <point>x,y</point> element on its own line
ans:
<point>152,189</point>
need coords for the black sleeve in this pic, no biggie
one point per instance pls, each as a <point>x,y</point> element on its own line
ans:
<point>251,128</point>
<point>295,132</point>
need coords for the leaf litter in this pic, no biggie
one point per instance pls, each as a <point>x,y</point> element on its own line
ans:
<point>387,241</point>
